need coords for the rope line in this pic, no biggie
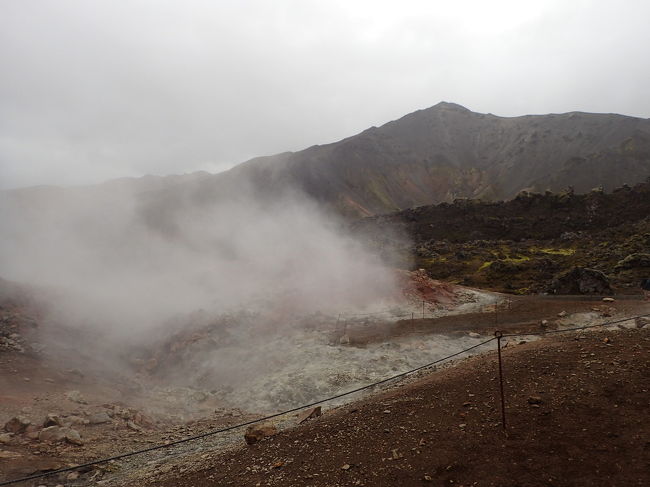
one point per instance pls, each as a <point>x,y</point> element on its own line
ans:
<point>240,425</point>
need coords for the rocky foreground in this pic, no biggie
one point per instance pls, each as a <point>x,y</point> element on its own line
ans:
<point>577,408</point>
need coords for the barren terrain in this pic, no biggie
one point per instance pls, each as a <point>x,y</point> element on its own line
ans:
<point>409,434</point>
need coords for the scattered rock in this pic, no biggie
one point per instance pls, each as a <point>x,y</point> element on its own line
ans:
<point>75,420</point>
<point>609,300</point>
<point>535,400</point>
<point>32,432</point>
<point>346,466</point>
<point>57,434</point>
<point>52,420</point>
<point>309,414</point>
<point>641,322</point>
<point>75,396</point>
<point>17,424</point>
<point>5,438</point>
<point>142,420</point>
<point>256,432</point>
<point>132,426</point>
<point>474,335</point>
<point>52,433</point>
<point>99,418</point>
<point>580,280</point>
<point>9,454</point>
<point>562,314</point>
<point>634,261</point>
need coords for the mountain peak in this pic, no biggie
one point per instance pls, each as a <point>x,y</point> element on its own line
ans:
<point>445,105</point>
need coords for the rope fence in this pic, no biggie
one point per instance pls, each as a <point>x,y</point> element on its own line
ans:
<point>498,336</point>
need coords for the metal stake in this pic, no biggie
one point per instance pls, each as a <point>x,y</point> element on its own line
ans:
<point>499,335</point>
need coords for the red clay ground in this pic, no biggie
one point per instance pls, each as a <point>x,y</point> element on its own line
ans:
<point>590,428</point>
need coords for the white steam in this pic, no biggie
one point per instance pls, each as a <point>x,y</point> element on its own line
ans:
<point>127,262</point>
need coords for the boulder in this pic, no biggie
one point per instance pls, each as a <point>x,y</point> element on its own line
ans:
<point>580,280</point>
<point>256,432</point>
<point>52,420</point>
<point>633,261</point>
<point>32,432</point>
<point>642,322</point>
<point>99,418</point>
<point>52,433</point>
<point>309,414</point>
<point>75,396</point>
<point>73,436</point>
<point>57,434</point>
<point>132,426</point>
<point>17,424</point>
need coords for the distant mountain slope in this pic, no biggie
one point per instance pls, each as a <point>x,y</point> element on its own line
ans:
<point>431,156</point>
<point>447,152</point>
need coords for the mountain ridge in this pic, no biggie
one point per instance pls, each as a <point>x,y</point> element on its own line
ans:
<point>439,154</point>
<point>446,152</point>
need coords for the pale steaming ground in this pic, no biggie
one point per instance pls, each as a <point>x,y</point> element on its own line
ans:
<point>317,371</point>
<point>283,372</point>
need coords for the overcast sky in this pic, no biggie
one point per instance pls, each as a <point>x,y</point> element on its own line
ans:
<point>92,90</point>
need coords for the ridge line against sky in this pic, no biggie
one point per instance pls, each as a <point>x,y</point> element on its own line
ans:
<point>94,90</point>
<point>323,143</point>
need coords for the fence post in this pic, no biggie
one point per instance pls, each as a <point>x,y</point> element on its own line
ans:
<point>423,309</point>
<point>499,335</point>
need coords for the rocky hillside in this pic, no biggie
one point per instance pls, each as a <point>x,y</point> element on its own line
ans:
<point>431,156</point>
<point>524,244</point>
<point>447,152</point>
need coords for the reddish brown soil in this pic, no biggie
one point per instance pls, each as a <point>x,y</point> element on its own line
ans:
<point>591,427</point>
